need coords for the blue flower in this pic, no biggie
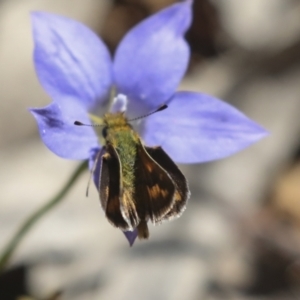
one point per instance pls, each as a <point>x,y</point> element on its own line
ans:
<point>76,70</point>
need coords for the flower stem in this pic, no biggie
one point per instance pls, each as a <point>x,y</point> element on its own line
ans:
<point>38,214</point>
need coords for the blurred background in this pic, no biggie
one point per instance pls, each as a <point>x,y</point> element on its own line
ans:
<point>238,239</point>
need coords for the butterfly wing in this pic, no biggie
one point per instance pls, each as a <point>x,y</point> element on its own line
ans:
<point>154,188</point>
<point>182,192</point>
<point>111,188</point>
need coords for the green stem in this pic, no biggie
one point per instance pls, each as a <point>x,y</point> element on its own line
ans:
<point>38,214</point>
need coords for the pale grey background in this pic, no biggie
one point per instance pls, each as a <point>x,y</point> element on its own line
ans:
<point>74,247</point>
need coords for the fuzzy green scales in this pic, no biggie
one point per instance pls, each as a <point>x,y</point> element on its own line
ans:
<point>123,138</point>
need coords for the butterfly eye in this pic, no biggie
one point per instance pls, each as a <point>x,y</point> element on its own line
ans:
<point>104,132</point>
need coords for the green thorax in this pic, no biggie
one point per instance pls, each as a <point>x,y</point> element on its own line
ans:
<point>125,140</point>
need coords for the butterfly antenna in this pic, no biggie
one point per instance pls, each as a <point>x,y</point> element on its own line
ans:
<point>78,123</point>
<point>91,173</point>
<point>162,107</point>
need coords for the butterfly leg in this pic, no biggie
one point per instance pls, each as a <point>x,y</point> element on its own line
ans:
<point>143,231</point>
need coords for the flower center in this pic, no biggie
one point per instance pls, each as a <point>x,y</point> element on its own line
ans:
<point>119,104</point>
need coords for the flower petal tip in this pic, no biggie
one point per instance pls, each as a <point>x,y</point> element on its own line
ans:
<point>131,236</point>
<point>35,14</point>
<point>60,135</point>
<point>147,73</point>
<point>68,59</point>
<point>259,133</point>
<point>40,19</point>
<point>199,128</point>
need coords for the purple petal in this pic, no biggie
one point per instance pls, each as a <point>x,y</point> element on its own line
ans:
<point>131,236</point>
<point>152,58</point>
<point>95,162</point>
<point>94,158</point>
<point>198,128</point>
<point>60,135</point>
<point>70,60</point>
